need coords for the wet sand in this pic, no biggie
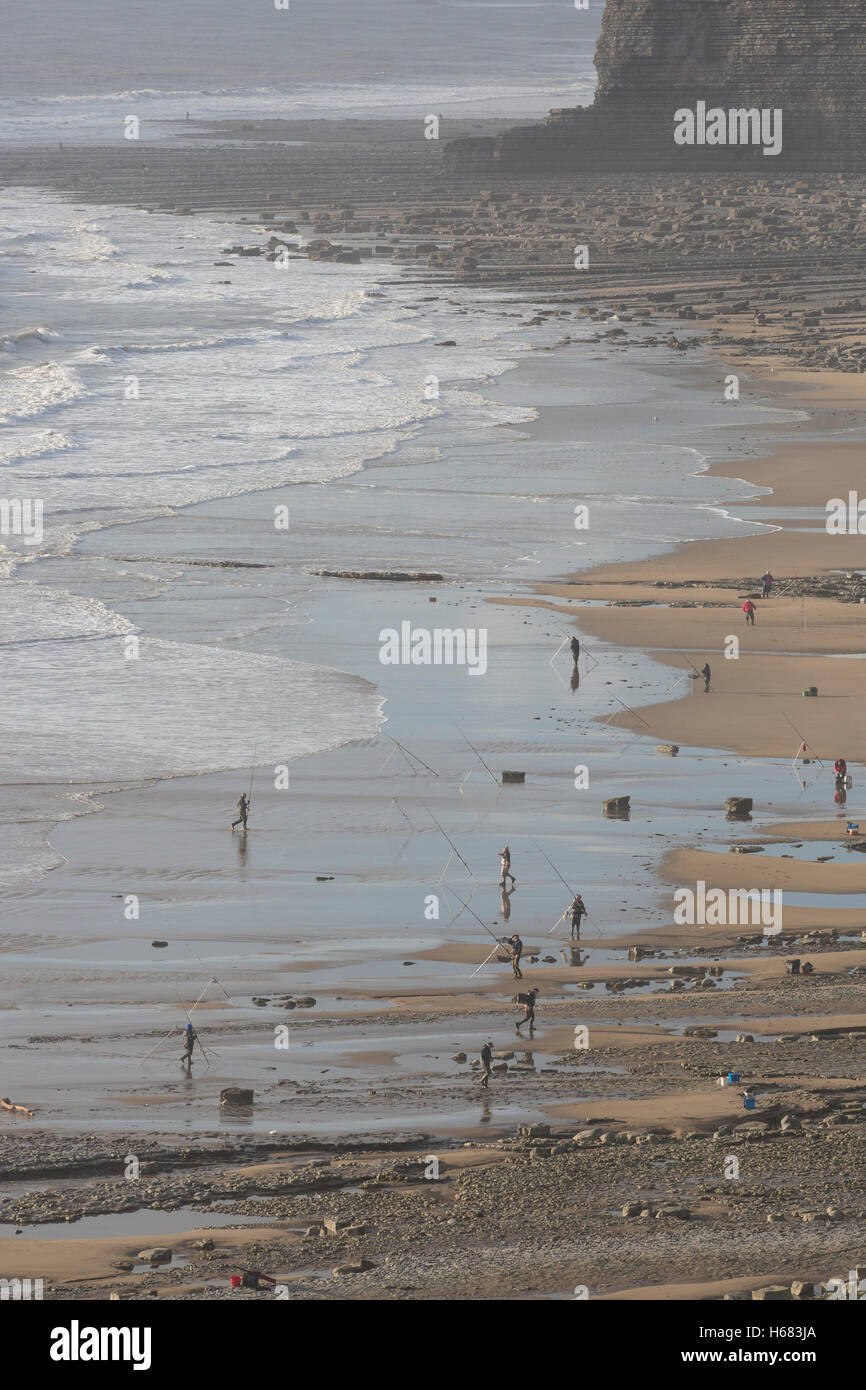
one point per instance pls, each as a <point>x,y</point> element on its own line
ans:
<point>328,897</point>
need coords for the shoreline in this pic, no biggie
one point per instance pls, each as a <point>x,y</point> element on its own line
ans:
<point>670,1116</point>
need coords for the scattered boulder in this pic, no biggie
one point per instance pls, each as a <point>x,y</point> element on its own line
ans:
<point>236,1095</point>
<point>335,1224</point>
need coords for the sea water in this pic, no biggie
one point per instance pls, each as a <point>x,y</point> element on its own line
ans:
<point>78,76</point>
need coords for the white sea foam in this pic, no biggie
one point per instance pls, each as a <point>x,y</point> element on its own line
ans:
<point>28,392</point>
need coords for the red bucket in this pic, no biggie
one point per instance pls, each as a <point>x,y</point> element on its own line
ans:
<point>236,1281</point>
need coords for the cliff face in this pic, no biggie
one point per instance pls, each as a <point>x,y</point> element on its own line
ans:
<point>806,58</point>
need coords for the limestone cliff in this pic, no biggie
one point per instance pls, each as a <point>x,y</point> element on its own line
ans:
<point>804,57</point>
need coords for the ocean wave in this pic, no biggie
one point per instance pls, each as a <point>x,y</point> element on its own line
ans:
<point>93,244</point>
<point>30,391</point>
<point>87,98</point>
<point>151,279</point>
<point>35,446</point>
<point>104,352</point>
<point>27,336</point>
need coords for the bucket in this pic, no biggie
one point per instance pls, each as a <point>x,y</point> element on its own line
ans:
<point>236,1281</point>
<point>749,1102</point>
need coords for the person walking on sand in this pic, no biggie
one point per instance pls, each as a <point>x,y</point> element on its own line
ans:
<point>486,1064</point>
<point>749,610</point>
<point>766,584</point>
<point>243,811</point>
<point>528,1002</point>
<point>575,650</point>
<point>505,867</point>
<point>190,1038</point>
<point>577,909</point>
<point>706,673</point>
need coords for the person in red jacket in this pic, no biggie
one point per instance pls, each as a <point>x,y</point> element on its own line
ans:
<point>749,610</point>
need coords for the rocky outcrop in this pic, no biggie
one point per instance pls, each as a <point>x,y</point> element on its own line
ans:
<point>654,57</point>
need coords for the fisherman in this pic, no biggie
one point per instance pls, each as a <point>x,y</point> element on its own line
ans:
<point>243,811</point>
<point>766,584</point>
<point>706,673</point>
<point>486,1064</point>
<point>528,1002</point>
<point>190,1038</point>
<point>515,946</point>
<point>575,650</point>
<point>505,867</point>
<point>749,610</point>
<point>577,908</point>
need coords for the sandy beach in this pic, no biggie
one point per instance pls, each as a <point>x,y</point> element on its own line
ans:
<point>340,959</point>
<point>315,906</point>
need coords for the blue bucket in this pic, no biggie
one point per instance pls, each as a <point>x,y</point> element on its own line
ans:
<point>749,1102</point>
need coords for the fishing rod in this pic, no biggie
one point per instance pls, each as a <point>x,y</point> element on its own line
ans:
<point>559,919</point>
<point>205,1050</point>
<point>477,754</point>
<point>158,1044</point>
<point>562,880</point>
<point>252,773</point>
<point>408,754</point>
<point>496,938</point>
<point>803,741</point>
<point>450,841</point>
<point>486,961</point>
<point>554,868</point>
<point>170,1033</point>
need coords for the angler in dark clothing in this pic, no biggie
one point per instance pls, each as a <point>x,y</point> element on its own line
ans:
<point>528,1002</point>
<point>515,946</point>
<point>243,811</point>
<point>190,1038</point>
<point>486,1064</point>
<point>766,584</point>
<point>577,909</point>
<point>575,650</point>
<point>706,673</point>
